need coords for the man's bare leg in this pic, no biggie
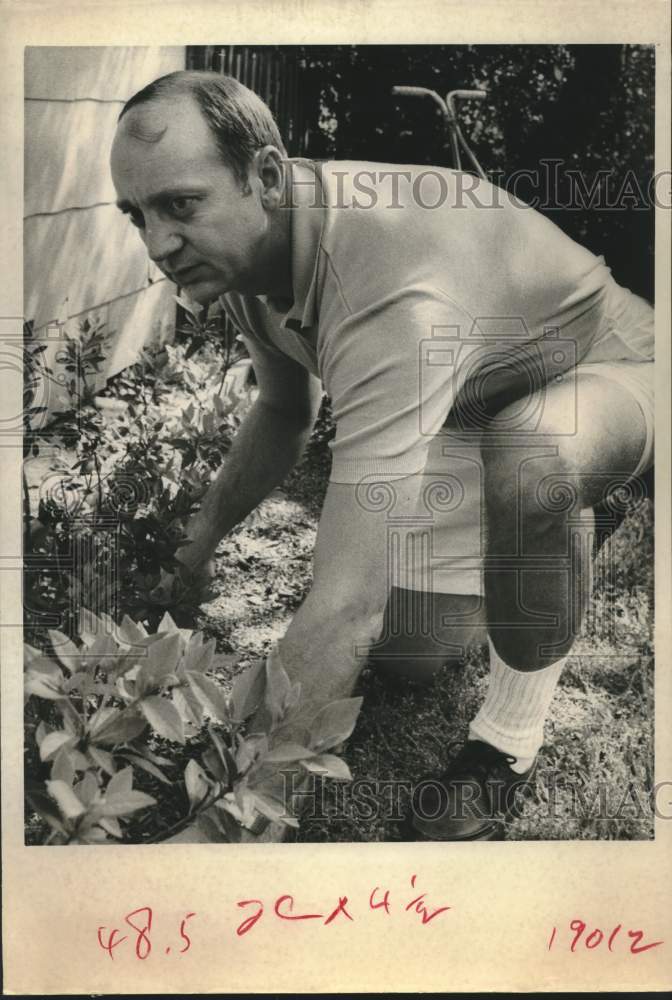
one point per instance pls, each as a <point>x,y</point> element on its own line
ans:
<point>539,491</point>
<point>538,499</point>
<point>422,632</point>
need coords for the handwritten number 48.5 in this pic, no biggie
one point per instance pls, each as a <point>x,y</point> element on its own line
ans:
<point>596,937</point>
<point>140,921</point>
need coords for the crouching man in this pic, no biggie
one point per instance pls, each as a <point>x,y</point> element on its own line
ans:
<point>490,384</point>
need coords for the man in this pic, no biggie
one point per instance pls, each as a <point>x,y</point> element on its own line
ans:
<point>489,383</point>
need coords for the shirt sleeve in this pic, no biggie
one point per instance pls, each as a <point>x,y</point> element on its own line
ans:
<point>390,371</point>
<point>281,378</point>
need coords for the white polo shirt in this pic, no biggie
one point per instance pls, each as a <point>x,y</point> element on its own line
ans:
<point>422,292</point>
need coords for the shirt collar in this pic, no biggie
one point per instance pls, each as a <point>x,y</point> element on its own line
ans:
<point>304,193</point>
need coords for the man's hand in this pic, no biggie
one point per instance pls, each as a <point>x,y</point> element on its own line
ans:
<point>187,585</point>
<point>195,573</point>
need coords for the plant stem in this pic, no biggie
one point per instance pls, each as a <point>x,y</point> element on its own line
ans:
<point>26,513</point>
<point>183,823</point>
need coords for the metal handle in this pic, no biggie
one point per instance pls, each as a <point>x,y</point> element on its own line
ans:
<point>448,110</point>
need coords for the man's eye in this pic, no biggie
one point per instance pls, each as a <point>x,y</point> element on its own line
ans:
<point>181,206</point>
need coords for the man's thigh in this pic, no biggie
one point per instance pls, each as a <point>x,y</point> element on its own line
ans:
<point>593,435</point>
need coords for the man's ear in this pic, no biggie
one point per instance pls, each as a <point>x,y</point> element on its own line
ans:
<point>268,165</point>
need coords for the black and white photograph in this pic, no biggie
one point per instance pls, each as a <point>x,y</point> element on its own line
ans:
<point>339,471</point>
<point>342,501</point>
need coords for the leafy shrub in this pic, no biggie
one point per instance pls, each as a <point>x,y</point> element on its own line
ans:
<point>108,702</point>
<point>126,485</point>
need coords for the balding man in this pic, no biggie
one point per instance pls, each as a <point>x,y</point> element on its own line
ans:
<point>489,381</point>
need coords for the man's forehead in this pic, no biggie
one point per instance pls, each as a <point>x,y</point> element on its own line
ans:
<point>162,143</point>
<point>176,123</point>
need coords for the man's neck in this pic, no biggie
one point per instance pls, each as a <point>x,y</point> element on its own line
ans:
<point>280,293</point>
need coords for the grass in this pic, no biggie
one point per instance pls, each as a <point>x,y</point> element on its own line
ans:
<point>596,768</point>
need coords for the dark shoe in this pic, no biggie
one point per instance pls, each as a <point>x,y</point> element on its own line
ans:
<point>472,799</point>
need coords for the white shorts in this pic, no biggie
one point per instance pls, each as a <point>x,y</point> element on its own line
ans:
<point>443,552</point>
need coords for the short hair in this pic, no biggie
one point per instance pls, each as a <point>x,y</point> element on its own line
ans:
<point>239,120</point>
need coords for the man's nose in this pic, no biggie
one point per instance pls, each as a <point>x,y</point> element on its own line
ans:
<point>162,242</point>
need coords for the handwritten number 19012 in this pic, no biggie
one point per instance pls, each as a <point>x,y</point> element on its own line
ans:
<point>596,937</point>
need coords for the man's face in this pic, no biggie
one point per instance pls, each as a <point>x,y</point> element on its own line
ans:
<point>197,224</point>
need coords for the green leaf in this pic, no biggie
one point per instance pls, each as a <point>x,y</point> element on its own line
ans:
<point>154,757</point>
<point>65,798</point>
<point>53,742</point>
<point>126,803</point>
<point>164,656</point>
<point>272,809</point>
<point>248,690</point>
<point>146,765</point>
<point>225,755</point>
<point>102,651</point>
<point>161,662</point>
<point>198,657</point>
<point>131,632</point>
<point>90,627</point>
<point>111,825</point>
<point>209,824</point>
<point>41,732</point>
<point>65,650</point>
<point>229,823</point>
<point>328,766</point>
<point>121,782</point>
<point>102,759</point>
<point>101,716</point>
<point>45,668</point>
<point>31,655</point>
<point>196,783</point>
<point>243,808</point>
<point>210,695</point>
<point>334,723</point>
<point>285,752</point>
<point>214,765</point>
<point>63,768</point>
<point>278,686</point>
<point>121,729</point>
<point>79,761</point>
<point>168,625</point>
<point>192,308</point>
<point>163,717</point>
<point>42,687</point>
<point>87,789</point>
<point>188,706</point>
<point>250,750</point>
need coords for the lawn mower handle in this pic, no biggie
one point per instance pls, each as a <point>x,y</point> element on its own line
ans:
<point>455,136</point>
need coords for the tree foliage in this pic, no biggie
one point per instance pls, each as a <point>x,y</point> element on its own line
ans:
<point>589,106</point>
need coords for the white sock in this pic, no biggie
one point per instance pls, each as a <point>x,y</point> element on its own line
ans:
<point>514,711</point>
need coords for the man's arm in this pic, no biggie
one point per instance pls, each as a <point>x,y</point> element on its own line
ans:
<point>327,641</point>
<point>268,444</point>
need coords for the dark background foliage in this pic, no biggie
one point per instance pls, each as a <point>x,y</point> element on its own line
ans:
<point>589,106</point>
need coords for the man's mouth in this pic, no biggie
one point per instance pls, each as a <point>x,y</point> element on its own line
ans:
<point>186,275</point>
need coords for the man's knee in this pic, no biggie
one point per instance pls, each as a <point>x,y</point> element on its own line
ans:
<point>424,631</point>
<point>534,477</point>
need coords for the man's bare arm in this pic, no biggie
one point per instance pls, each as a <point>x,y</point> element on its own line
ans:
<point>268,444</point>
<point>327,641</point>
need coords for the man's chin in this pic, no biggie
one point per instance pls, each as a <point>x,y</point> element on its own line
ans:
<point>204,292</point>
